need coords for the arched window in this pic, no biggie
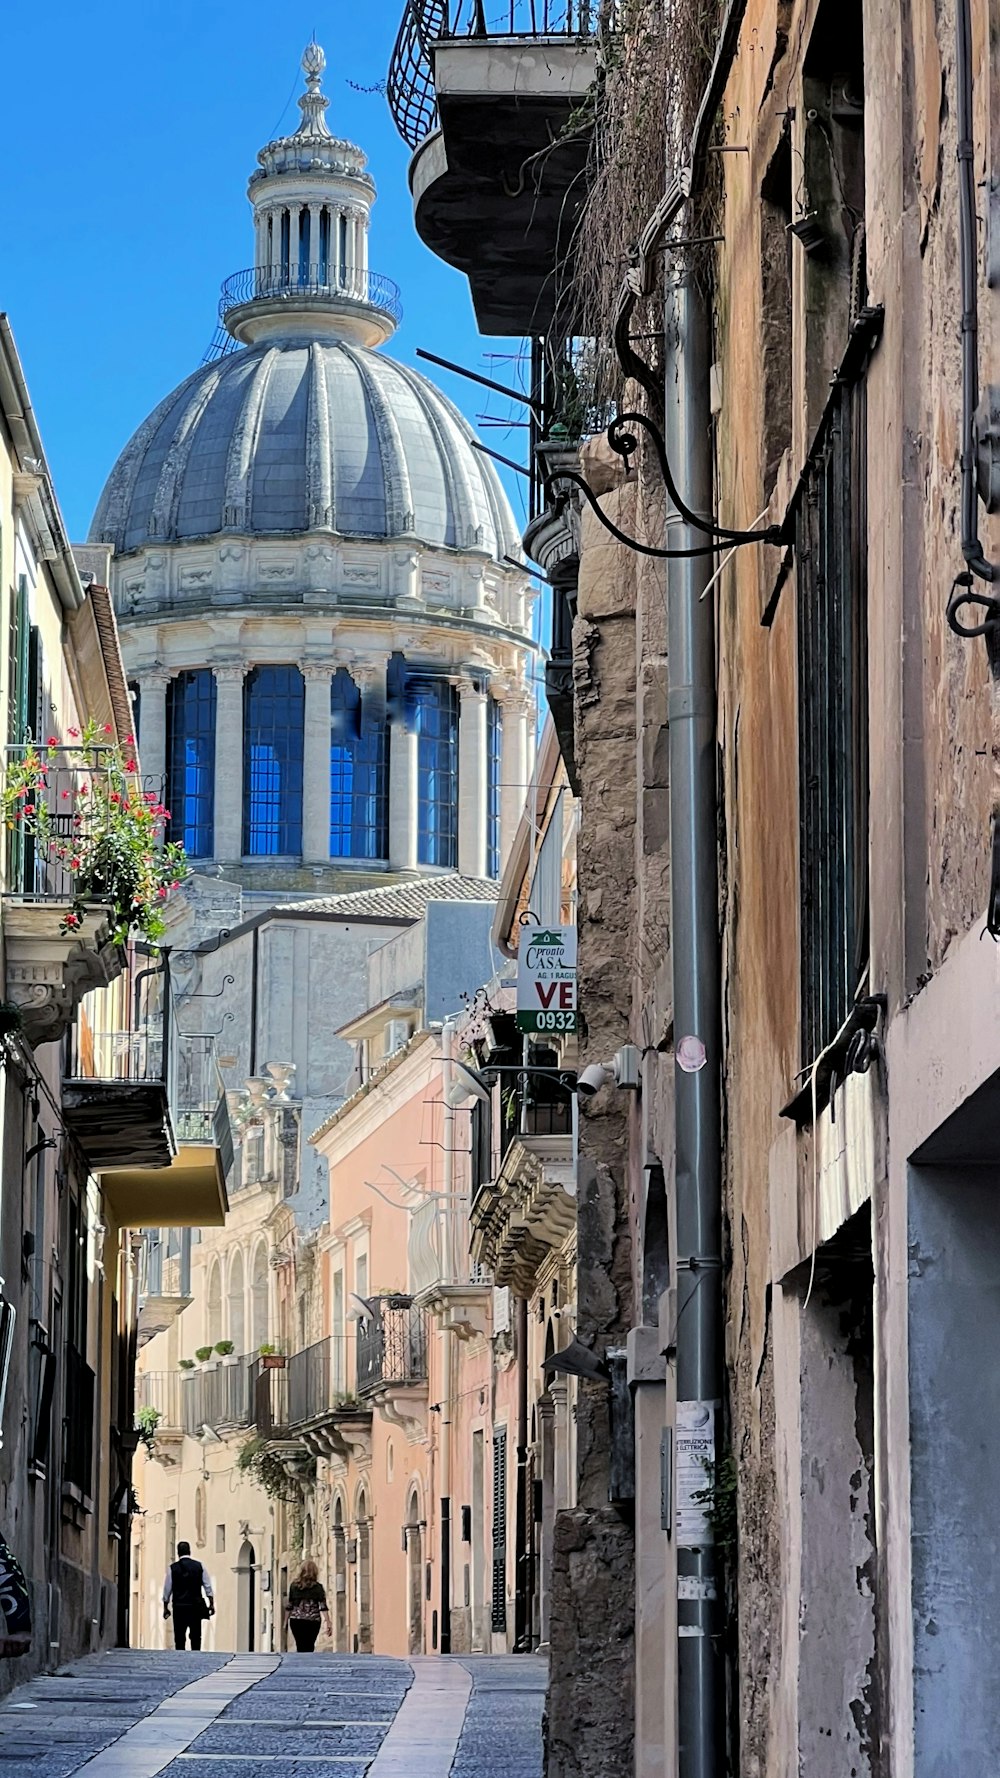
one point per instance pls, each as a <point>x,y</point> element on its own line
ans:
<point>494,723</point>
<point>237,1303</point>
<point>190,789</point>
<point>359,802</point>
<point>434,704</point>
<point>214,1325</point>
<point>273,713</point>
<point>258,1299</point>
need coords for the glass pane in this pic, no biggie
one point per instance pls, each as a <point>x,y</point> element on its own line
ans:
<point>273,712</point>
<point>359,800</point>
<point>190,788</point>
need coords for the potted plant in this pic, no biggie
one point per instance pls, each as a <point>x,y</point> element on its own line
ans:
<point>203,1354</point>
<point>270,1358</point>
<point>146,1421</point>
<point>84,808</point>
<point>186,1367</point>
<point>227,1352</point>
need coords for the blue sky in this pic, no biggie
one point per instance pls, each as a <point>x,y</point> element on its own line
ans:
<point>129,135</point>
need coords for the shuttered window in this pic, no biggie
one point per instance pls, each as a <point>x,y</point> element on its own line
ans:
<point>498,1616</point>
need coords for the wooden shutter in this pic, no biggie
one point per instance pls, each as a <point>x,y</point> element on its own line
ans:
<point>498,1617</point>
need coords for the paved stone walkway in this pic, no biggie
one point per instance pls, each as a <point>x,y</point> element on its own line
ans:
<point>133,1714</point>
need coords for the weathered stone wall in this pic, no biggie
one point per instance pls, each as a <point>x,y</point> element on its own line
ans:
<point>588,1726</point>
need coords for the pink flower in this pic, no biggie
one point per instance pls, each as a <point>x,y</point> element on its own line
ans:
<point>114,797</point>
<point>74,732</point>
<point>130,740</point>
<point>53,740</point>
<point>72,920</point>
<point>83,789</point>
<point>65,796</point>
<point>29,808</point>
<point>162,893</point>
<point>74,864</point>
<point>107,728</point>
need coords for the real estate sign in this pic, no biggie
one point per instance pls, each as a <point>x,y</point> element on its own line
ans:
<point>546,979</point>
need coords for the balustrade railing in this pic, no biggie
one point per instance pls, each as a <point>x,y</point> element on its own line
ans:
<point>392,1345</point>
<point>325,279</point>
<point>163,1393</point>
<point>410,82</point>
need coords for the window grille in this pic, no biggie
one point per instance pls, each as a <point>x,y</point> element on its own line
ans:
<point>273,715</point>
<point>832,623</point>
<point>359,801</point>
<point>435,714</point>
<point>191,761</point>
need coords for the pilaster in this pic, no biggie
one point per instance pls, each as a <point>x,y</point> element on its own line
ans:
<point>153,723</point>
<point>403,786</point>
<point>316,763</point>
<point>229,678</point>
<point>473,768</point>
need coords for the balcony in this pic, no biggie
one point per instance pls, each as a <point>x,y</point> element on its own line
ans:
<point>275,290</point>
<point>495,112</point>
<point>222,1397</point>
<point>323,1410</point>
<point>50,963</point>
<point>392,1362</point>
<point>162,1145</point>
<point>529,1210</point>
<point>159,1403</point>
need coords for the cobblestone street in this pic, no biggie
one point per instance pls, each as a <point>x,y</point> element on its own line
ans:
<point>132,1714</point>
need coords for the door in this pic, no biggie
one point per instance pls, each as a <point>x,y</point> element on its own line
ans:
<point>246,1600</point>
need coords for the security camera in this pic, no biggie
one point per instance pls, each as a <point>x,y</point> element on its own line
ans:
<point>593,1078</point>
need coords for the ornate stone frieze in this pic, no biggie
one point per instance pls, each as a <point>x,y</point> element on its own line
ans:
<point>528,1212</point>
<point>49,970</point>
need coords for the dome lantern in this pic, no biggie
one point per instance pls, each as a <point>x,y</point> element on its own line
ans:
<point>312,199</point>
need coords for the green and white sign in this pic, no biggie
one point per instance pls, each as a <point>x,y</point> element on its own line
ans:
<point>546,979</point>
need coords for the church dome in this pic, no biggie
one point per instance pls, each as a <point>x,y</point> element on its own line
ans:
<point>293,434</point>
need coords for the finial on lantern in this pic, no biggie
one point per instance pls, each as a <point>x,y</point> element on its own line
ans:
<point>313,103</point>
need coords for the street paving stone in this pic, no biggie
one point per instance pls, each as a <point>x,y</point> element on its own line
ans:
<point>320,1716</point>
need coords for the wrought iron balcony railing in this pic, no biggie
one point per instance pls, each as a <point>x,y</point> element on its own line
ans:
<point>67,777</point>
<point>222,1397</point>
<point>392,1345</point>
<point>263,283</point>
<point>162,1392</point>
<point>320,1379</point>
<point>410,82</point>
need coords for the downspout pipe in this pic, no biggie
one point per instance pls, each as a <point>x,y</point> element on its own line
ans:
<point>696,955</point>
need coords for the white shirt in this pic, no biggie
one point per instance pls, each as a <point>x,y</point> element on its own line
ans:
<point>206,1581</point>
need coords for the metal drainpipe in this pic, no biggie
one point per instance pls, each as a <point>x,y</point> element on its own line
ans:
<point>448,1134</point>
<point>696,992</point>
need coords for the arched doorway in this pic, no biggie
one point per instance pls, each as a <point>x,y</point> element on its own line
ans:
<point>415,1576</point>
<point>214,1323</point>
<point>365,1629</point>
<point>246,1600</point>
<point>339,1578</point>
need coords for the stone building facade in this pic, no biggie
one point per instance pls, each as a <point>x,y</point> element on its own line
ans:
<point>785,753</point>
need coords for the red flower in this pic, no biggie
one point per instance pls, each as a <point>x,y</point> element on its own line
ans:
<point>107,728</point>
<point>74,864</point>
<point>29,808</point>
<point>114,797</point>
<point>72,920</point>
<point>130,740</point>
<point>53,741</point>
<point>162,893</point>
<point>74,732</point>
<point>65,795</point>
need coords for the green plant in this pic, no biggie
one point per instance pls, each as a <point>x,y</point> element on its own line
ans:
<point>719,1497</point>
<point>186,1364</point>
<point>203,1353</point>
<point>224,1347</point>
<point>146,1421</point>
<point>257,1460</point>
<point>84,808</point>
<point>268,1351</point>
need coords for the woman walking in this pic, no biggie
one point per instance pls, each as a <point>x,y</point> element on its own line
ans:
<point>306,1606</point>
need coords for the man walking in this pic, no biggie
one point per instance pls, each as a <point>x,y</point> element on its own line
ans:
<point>185,1583</point>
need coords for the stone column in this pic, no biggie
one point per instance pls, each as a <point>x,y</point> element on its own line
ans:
<point>294,217</point>
<point>315,262</point>
<point>513,758</point>
<point>402,793</point>
<point>229,761</point>
<point>647,1372</point>
<point>316,764</point>
<point>369,677</point>
<point>153,729</point>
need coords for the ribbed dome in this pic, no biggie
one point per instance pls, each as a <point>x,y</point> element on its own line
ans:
<point>298,435</point>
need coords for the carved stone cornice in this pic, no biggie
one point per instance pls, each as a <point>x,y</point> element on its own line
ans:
<point>49,970</point>
<point>528,1212</point>
<point>464,1308</point>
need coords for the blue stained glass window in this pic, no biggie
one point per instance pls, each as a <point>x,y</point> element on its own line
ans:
<point>359,801</point>
<point>494,726</point>
<point>434,705</point>
<point>273,715</point>
<point>190,787</point>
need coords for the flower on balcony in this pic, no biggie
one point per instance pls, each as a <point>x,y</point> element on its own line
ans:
<point>93,824</point>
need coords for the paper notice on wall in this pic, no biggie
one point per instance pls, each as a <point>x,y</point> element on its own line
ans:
<point>694,1464</point>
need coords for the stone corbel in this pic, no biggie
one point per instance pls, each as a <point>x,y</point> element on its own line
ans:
<point>352,1441</point>
<point>49,971</point>
<point>402,1411</point>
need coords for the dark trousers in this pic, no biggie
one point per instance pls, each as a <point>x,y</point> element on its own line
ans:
<point>187,1621</point>
<point>305,1631</point>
